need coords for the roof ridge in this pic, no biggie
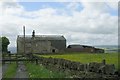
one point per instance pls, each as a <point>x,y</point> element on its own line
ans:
<point>41,35</point>
<point>44,37</point>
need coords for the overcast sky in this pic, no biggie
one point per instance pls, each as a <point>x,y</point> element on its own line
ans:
<point>89,23</point>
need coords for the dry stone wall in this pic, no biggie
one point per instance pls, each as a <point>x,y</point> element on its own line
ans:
<point>101,68</point>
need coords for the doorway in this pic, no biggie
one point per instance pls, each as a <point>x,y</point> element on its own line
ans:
<point>53,50</point>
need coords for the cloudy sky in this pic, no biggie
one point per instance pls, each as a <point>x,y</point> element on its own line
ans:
<point>90,23</point>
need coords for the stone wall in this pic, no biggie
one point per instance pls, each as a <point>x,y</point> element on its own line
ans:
<point>100,68</point>
<point>41,46</point>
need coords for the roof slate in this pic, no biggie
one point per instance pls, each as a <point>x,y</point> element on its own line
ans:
<point>42,37</point>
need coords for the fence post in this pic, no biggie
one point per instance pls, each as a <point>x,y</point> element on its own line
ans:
<point>36,61</point>
<point>16,55</point>
<point>3,58</point>
<point>103,62</point>
<point>9,57</point>
<point>16,59</point>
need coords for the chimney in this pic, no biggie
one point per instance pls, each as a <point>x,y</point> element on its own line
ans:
<point>33,33</point>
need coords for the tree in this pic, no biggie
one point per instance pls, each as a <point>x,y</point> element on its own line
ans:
<point>5,42</point>
<point>0,44</point>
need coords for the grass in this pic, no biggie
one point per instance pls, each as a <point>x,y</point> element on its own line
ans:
<point>39,71</point>
<point>111,58</point>
<point>11,71</point>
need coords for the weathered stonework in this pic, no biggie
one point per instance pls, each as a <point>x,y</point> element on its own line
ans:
<point>99,68</point>
<point>41,44</point>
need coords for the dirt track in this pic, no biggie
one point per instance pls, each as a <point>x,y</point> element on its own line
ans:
<point>21,71</point>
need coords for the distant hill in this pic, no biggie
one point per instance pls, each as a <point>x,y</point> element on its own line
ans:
<point>108,48</point>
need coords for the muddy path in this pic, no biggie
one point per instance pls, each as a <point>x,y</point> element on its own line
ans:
<point>21,71</point>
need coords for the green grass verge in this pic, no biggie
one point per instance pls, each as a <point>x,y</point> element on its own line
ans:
<point>111,58</point>
<point>39,71</point>
<point>11,71</point>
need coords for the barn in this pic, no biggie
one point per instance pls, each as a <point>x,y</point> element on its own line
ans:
<point>41,43</point>
<point>83,48</point>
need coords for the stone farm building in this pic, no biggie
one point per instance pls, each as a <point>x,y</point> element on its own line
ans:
<point>49,44</point>
<point>83,48</point>
<point>41,44</point>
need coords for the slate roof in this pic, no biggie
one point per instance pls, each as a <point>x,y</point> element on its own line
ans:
<point>80,46</point>
<point>41,37</point>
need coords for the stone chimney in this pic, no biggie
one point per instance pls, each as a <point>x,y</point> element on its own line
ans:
<point>33,33</point>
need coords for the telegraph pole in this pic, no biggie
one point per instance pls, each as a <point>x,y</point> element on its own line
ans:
<point>24,38</point>
<point>33,36</point>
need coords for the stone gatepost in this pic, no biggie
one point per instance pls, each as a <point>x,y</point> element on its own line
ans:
<point>104,61</point>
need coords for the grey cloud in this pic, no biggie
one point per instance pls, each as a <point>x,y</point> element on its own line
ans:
<point>81,27</point>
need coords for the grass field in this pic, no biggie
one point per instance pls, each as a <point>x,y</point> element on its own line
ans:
<point>111,58</point>
<point>39,71</point>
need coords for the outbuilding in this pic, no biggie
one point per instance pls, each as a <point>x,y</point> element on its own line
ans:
<point>83,48</point>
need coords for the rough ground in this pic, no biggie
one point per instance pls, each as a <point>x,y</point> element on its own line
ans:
<point>0,72</point>
<point>21,71</point>
<point>4,68</point>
